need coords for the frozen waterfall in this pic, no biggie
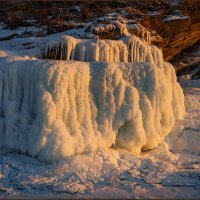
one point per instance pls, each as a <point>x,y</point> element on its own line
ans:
<point>55,109</point>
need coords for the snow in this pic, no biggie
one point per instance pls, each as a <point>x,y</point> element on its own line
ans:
<point>105,174</point>
<point>153,13</point>
<point>20,31</point>
<point>176,15</point>
<point>175,2</point>
<point>186,133</point>
<point>90,29</point>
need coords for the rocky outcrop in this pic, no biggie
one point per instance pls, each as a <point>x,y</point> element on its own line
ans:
<point>188,61</point>
<point>179,27</point>
<point>177,42</point>
<point>177,35</point>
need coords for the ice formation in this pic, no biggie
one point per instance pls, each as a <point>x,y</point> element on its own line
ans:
<point>124,29</point>
<point>128,49</point>
<point>54,109</point>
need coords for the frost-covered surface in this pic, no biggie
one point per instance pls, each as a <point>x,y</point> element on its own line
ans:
<point>165,172</point>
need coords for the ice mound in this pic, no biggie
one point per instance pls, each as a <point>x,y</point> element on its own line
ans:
<point>55,109</point>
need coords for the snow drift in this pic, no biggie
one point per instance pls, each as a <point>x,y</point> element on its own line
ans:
<point>55,109</point>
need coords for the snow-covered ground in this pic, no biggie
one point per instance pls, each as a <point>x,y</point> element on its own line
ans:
<point>172,170</point>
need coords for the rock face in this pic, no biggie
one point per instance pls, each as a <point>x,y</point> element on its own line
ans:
<point>188,60</point>
<point>176,41</point>
<point>196,75</point>
<point>179,27</point>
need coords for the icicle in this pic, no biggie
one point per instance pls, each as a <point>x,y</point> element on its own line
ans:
<point>129,48</point>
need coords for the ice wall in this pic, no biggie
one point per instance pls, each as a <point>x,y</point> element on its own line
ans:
<point>55,109</point>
